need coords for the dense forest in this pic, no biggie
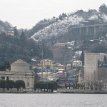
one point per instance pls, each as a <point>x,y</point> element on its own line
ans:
<point>19,46</point>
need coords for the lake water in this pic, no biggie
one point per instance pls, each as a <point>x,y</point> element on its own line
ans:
<point>53,100</point>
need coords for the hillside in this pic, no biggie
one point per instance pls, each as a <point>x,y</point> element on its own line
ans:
<point>5,26</point>
<point>75,31</point>
<point>60,28</point>
<point>19,47</point>
<point>14,44</point>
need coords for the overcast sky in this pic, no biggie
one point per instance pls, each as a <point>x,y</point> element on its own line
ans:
<point>26,13</point>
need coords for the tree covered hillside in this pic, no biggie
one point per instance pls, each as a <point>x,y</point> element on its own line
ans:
<point>61,29</point>
<point>19,46</point>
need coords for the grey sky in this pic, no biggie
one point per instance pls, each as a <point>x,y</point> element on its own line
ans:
<point>26,13</point>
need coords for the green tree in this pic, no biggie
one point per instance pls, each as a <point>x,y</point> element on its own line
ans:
<point>23,36</point>
<point>2,84</point>
<point>103,9</point>
<point>9,84</point>
<point>16,33</point>
<point>99,49</point>
<point>82,57</point>
<point>19,84</point>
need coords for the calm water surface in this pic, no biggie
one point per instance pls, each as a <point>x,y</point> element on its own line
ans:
<point>53,100</point>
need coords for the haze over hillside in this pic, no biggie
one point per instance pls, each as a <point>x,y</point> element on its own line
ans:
<point>59,26</point>
<point>78,28</point>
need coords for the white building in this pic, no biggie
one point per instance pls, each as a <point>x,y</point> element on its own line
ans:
<point>77,63</point>
<point>91,66</point>
<point>20,70</point>
<point>46,63</point>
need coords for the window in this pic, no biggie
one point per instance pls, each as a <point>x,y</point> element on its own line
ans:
<point>28,84</point>
<point>7,78</point>
<point>3,78</point>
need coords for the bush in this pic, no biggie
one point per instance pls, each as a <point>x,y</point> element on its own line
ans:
<point>19,84</point>
<point>6,84</point>
<point>49,86</point>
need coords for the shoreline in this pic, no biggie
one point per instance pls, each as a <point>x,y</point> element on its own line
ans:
<point>77,91</point>
<point>61,91</point>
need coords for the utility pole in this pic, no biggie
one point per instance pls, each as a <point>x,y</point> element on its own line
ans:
<point>42,59</point>
<point>65,61</point>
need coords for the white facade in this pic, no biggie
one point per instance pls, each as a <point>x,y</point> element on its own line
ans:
<point>47,63</point>
<point>20,70</point>
<point>77,63</point>
<point>91,66</point>
<point>20,66</point>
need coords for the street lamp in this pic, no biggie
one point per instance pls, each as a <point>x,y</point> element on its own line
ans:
<point>42,57</point>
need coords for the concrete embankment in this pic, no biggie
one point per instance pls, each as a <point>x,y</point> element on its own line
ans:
<point>82,91</point>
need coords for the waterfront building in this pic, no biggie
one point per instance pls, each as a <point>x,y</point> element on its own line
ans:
<point>20,70</point>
